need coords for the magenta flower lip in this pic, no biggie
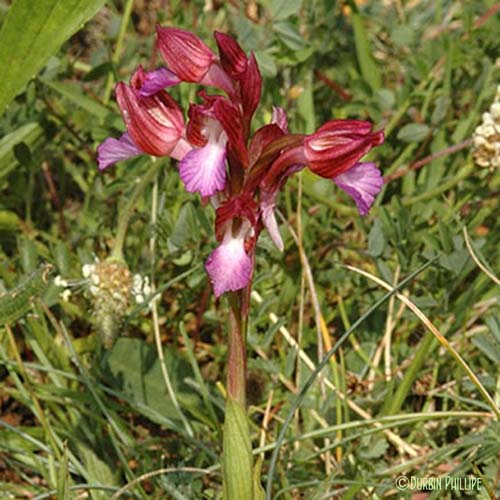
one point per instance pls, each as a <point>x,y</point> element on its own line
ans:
<point>229,267</point>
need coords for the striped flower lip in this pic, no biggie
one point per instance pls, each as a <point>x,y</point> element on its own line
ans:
<point>229,267</point>
<point>362,183</point>
<point>113,150</point>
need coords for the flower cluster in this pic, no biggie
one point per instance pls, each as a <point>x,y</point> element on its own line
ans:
<point>486,137</point>
<point>219,158</point>
<point>111,288</point>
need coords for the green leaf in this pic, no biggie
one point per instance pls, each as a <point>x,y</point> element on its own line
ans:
<point>258,493</point>
<point>281,9</point>
<point>63,477</point>
<point>289,35</point>
<point>23,154</point>
<point>376,240</point>
<point>305,104</point>
<point>413,132</point>
<point>266,62</point>
<point>9,221</point>
<point>369,69</point>
<point>445,237</point>
<point>374,449</point>
<point>133,366</point>
<point>494,325</point>
<point>31,33</point>
<point>30,134</point>
<point>185,229</point>
<point>73,92</point>
<point>488,345</point>
<point>237,459</point>
<point>97,470</point>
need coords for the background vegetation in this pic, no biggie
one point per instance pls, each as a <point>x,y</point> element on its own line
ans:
<point>77,419</point>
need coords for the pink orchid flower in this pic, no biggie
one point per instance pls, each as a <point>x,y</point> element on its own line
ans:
<point>220,159</point>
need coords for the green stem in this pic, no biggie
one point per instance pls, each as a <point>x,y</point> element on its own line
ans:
<point>127,210</point>
<point>118,48</point>
<point>445,186</point>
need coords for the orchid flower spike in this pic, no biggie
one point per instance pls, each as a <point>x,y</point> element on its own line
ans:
<point>219,158</point>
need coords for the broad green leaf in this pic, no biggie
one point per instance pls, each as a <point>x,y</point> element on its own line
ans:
<point>31,33</point>
<point>488,345</point>
<point>97,470</point>
<point>494,324</point>
<point>266,62</point>
<point>9,221</point>
<point>369,69</point>
<point>133,366</point>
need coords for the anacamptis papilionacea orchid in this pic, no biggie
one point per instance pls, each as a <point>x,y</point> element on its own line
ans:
<point>241,173</point>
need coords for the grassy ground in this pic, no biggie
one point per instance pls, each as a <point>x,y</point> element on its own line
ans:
<point>414,391</point>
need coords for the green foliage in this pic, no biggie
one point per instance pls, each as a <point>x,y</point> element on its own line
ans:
<point>30,36</point>
<point>15,303</point>
<point>77,421</point>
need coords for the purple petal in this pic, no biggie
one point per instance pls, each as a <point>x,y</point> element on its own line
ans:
<point>279,118</point>
<point>267,206</point>
<point>203,170</point>
<point>157,80</point>
<point>362,183</point>
<point>229,267</point>
<point>113,150</point>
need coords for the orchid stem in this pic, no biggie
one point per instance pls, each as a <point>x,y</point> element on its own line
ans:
<point>237,459</point>
<point>236,360</point>
<point>127,210</point>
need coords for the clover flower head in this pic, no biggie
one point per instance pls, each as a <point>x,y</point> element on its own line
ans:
<point>486,138</point>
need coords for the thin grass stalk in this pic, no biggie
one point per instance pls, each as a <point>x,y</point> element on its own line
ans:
<point>118,49</point>
<point>439,336</point>
<point>154,310</point>
<point>37,407</point>
<point>127,210</point>
<point>393,438</point>
<point>300,397</point>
